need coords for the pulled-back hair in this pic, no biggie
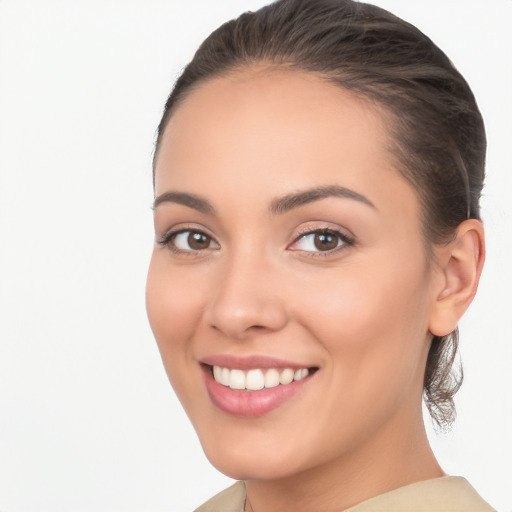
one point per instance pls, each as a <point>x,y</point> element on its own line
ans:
<point>437,132</point>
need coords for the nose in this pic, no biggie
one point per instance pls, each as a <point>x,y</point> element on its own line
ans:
<point>248,300</point>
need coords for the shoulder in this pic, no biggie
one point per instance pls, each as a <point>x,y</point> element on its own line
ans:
<point>231,499</point>
<point>445,494</point>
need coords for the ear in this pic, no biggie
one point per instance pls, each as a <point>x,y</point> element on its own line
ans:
<point>459,267</point>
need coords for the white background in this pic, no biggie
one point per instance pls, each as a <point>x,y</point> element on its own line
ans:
<point>88,421</point>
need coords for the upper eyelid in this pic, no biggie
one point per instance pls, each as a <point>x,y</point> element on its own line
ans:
<point>320,227</point>
<point>166,236</point>
<point>180,227</point>
<point>347,240</point>
<point>167,241</point>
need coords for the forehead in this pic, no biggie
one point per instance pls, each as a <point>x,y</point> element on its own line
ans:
<point>275,107</point>
<point>262,94</point>
<point>261,131</point>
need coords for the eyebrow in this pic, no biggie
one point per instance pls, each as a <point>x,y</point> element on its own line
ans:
<point>277,206</point>
<point>191,200</point>
<point>297,199</point>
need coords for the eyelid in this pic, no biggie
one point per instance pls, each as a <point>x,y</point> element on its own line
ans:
<point>180,227</point>
<point>169,234</point>
<point>310,229</point>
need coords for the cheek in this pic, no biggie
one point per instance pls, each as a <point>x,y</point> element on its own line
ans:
<point>370,321</point>
<point>372,327</point>
<point>174,305</point>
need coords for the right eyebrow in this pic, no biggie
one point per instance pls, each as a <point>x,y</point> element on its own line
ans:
<point>297,199</point>
<point>190,200</point>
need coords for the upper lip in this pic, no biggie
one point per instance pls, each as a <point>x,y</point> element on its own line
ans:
<point>251,362</point>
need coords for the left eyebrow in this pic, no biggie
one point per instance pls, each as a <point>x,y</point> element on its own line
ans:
<point>295,200</point>
<point>191,200</point>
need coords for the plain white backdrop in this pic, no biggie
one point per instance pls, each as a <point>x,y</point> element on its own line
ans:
<point>88,421</point>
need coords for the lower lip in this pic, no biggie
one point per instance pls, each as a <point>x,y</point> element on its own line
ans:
<point>250,404</point>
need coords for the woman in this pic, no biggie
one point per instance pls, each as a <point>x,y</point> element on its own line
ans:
<point>317,176</point>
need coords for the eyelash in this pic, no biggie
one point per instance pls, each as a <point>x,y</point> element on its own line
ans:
<point>343,241</point>
<point>168,238</point>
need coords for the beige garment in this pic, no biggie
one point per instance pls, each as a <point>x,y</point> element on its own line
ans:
<point>445,494</point>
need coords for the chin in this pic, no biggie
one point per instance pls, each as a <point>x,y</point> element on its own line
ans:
<point>251,468</point>
<point>251,459</point>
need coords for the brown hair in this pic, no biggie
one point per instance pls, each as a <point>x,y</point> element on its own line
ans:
<point>437,130</point>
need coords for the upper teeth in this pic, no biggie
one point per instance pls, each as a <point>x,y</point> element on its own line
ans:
<point>254,380</point>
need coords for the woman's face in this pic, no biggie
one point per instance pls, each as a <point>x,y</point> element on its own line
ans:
<point>288,247</point>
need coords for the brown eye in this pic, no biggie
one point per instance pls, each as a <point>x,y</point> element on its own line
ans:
<point>189,241</point>
<point>198,241</point>
<point>321,241</point>
<point>326,241</point>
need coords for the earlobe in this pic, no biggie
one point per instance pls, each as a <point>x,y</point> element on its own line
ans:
<point>460,266</point>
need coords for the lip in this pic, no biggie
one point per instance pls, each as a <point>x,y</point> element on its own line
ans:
<point>245,403</point>
<point>251,362</point>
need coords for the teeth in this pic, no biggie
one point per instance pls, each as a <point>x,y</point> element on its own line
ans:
<point>300,374</point>
<point>237,379</point>
<point>271,378</point>
<point>255,380</point>
<point>224,376</point>
<point>286,376</point>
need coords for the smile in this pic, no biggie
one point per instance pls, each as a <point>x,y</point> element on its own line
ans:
<point>257,379</point>
<point>260,387</point>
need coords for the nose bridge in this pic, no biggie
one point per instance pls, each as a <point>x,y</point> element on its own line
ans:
<point>247,297</point>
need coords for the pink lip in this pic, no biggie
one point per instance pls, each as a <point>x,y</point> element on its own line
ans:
<point>250,362</point>
<point>249,404</point>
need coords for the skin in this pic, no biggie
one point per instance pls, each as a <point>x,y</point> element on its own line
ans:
<point>363,314</point>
